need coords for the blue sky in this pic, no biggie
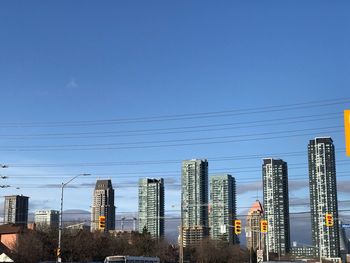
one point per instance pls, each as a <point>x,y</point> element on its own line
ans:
<point>65,62</point>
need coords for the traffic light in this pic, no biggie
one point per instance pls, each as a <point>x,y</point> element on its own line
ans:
<point>329,220</point>
<point>263,226</point>
<point>102,222</point>
<point>238,228</point>
<point>58,252</point>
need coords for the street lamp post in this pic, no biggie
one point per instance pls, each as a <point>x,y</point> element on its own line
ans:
<point>59,259</point>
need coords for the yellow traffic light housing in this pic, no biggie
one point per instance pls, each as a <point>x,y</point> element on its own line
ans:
<point>329,220</point>
<point>263,226</point>
<point>238,227</point>
<point>347,131</point>
<point>102,222</point>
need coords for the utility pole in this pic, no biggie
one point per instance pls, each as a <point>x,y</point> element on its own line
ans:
<point>58,253</point>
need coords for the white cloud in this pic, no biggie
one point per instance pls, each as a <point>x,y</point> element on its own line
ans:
<point>72,84</point>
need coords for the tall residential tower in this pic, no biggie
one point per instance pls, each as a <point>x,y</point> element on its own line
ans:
<point>222,207</point>
<point>323,196</point>
<point>151,206</point>
<point>103,205</point>
<point>194,201</point>
<point>276,205</point>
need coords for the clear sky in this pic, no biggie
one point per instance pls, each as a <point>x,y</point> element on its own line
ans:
<point>70,71</point>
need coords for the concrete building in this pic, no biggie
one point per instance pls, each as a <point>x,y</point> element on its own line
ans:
<point>16,210</point>
<point>276,205</point>
<point>223,208</point>
<point>151,206</point>
<point>253,237</point>
<point>47,218</point>
<point>194,201</point>
<point>103,205</point>
<point>323,196</point>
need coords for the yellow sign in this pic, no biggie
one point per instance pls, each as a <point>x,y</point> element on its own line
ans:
<point>347,131</point>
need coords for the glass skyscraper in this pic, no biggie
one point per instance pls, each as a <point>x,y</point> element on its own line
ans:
<point>194,201</point>
<point>222,207</point>
<point>151,206</point>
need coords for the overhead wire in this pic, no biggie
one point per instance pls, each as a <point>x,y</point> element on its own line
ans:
<point>170,130</point>
<point>246,111</point>
<point>114,146</point>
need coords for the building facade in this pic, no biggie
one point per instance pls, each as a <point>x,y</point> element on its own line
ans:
<point>151,206</point>
<point>16,210</point>
<point>103,205</point>
<point>223,208</point>
<point>323,196</point>
<point>194,201</point>
<point>47,218</point>
<point>276,205</point>
<point>254,239</point>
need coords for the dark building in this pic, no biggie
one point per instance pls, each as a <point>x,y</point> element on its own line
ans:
<point>16,210</point>
<point>276,205</point>
<point>323,196</point>
<point>103,205</point>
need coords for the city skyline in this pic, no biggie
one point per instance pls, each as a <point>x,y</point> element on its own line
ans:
<point>276,168</point>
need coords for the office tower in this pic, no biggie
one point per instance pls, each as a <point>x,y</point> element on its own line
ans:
<point>151,206</point>
<point>16,210</point>
<point>276,205</point>
<point>254,239</point>
<point>103,205</point>
<point>323,196</point>
<point>222,207</point>
<point>194,201</point>
<point>47,218</point>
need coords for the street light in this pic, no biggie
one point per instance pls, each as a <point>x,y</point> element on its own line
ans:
<point>59,259</point>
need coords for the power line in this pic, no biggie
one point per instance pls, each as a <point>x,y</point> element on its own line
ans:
<point>214,114</point>
<point>171,130</point>
<point>146,162</point>
<point>136,145</point>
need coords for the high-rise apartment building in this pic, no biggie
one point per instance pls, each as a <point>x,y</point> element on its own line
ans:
<point>194,201</point>
<point>323,196</point>
<point>276,205</point>
<point>151,206</point>
<point>222,207</point>
<point>16,210</point>
<point>47,218</point>
<point>103,205</point>
<point>254,239</point>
